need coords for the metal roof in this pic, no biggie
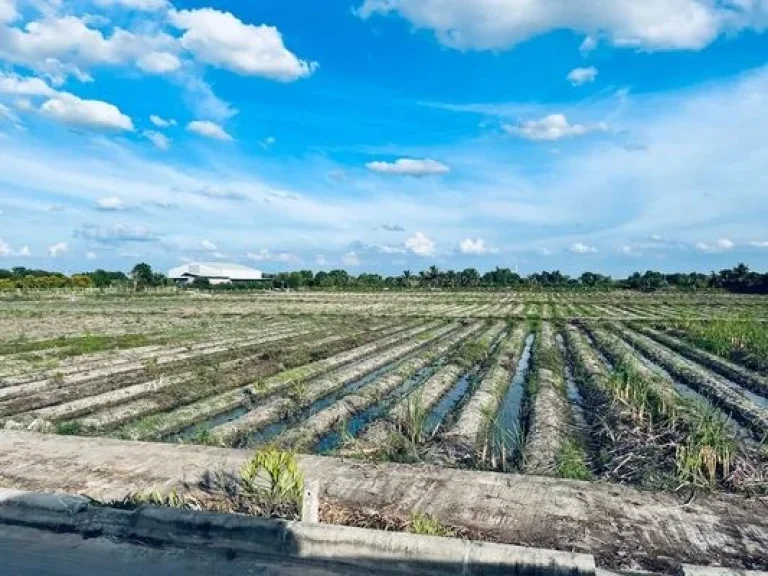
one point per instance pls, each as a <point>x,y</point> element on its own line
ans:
<point>215,270</point>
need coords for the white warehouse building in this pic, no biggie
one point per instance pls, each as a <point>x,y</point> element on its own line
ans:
<point>215,273</point>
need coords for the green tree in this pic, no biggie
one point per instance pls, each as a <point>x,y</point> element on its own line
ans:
<point>142,275</point>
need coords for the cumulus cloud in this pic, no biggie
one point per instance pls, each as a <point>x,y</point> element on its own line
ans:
<point>209,130</point>
<point>420,244</point>
<point>501,24</point>
<point>159,139</point>
<point>208,245</point>
<point>95,114</point>
<point>25,251</point>
<point>392,228</point>
<point>161,122</point>
<point>350,259</point>
<point>24,86</point>
<point>409,167</point>
<point>58,249</point>
<point>759,244</point>
<point>552,128</point>
<point>90,256</point>
<point>110,203</point>
<point>159,62</point>
<point>470,246</point>
<point>580,76</point>
<point>221,39</point>
<point>62,46</point>
<point>580,248</point>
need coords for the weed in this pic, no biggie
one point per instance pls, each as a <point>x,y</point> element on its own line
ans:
<point>571,462</point>
<point>425,525</point>
<point>273,477</point>
<point>70,428</point>
<point>412,419</point>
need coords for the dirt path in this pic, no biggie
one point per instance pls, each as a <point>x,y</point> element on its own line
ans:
<point>621,526</point>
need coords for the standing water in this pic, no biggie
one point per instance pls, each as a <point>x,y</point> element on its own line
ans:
<point>506,431</point>
<point>571,390</point>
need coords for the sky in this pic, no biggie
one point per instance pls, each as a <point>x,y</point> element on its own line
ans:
<point>384,135</point>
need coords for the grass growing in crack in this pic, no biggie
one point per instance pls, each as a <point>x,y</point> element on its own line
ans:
<point>425,525</point>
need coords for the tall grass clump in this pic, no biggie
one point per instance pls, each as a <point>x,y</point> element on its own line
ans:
<point>743,339</point>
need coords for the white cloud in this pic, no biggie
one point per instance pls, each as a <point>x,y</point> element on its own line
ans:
<point>470,246</point>
<point>24,86</point>
<point>724,244</point>
<point>589,44</point>
<point>544,251</point>
<point>580,248</point>
<point>208,245</point>
<point>420,244</point>
<point>7,11</point>
<point>90,256</point>
<point>25,251</point>
<point>759,244</point>
<point>551,128</point>
<point>158,139</point>
<point>265,255</point>
<point>720,245</point>
<point>62,46</point>
<point>267,142</point>
<point>221,39</point>
<point>219,255</point>
<point>350,259</point>
<point>209,130</point>
<point>69,109</point>
<point>159,62</point>
<point>320,260</point>
<point>118,234</point>
<point>644,24</point>
<point>111,203</point>
<point>409,167</point>
<point>58,249</point>
<point>5,248</point>
<point>141,5</point>
<point>161,122</point>
<point>580,76</point>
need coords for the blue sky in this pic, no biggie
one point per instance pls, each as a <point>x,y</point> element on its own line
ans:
<point>380,135</point>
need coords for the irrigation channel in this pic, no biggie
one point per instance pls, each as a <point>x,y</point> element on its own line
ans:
<point>597,388</point>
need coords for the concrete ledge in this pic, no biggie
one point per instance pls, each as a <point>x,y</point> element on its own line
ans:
<point>690,570</point>
<point>374,550</point>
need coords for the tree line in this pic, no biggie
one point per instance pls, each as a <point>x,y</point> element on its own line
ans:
<point>739,279</point>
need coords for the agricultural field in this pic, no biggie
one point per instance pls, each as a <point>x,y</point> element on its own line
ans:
<point>655,391</point>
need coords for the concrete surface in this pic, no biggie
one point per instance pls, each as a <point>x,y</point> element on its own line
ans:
<point>324,544</point>
<point>622,527</point>
<point>31,552</point>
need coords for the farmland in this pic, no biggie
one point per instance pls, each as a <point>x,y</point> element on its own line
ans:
<point>655,391</point>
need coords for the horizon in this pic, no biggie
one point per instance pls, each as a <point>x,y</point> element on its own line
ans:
<point>376,136</point>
